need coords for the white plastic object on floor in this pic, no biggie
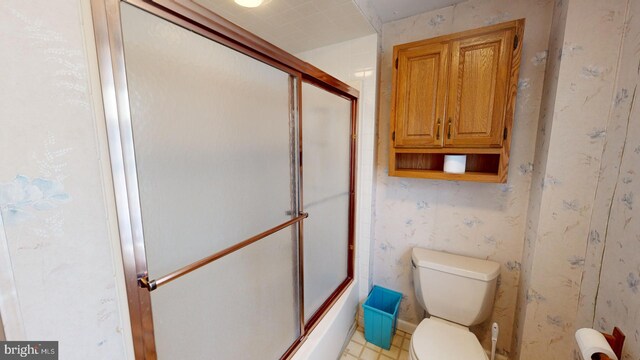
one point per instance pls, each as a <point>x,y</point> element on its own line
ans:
<point>494,339</point>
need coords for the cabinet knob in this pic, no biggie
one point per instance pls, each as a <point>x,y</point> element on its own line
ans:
<point>449,130</point>
<point>438,130</point>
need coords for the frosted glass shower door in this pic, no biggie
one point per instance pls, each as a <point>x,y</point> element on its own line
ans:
<point>326,153</point>
<point>215,144</point>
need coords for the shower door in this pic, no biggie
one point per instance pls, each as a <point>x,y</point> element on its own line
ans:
<point>326,139</point>
<point>232,248</point>
<point>215,142</point>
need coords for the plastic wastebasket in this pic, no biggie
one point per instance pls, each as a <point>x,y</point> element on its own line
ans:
<point>380,315</point>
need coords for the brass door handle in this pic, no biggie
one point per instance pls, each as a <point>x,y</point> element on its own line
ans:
<point>449,130</point>
<point>438,130</point>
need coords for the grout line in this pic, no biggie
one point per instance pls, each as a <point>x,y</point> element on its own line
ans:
<point>379,351</point>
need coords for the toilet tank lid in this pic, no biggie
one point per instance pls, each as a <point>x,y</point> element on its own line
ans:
<point>484,270</point>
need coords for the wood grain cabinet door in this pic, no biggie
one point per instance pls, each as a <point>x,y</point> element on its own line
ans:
<point>478,84</point>
<point>420,94</point>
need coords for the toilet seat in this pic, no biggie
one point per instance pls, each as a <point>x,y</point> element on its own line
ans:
<point>438,340</point>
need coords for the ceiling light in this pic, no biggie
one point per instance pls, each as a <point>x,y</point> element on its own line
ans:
<point>249,3</point>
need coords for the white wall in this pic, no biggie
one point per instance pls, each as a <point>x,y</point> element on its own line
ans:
<point>65,280</point>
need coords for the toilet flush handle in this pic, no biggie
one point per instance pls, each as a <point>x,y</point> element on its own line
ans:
<point>413,264</point>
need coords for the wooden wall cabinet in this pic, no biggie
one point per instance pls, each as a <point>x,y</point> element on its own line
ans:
<point>455,94</point>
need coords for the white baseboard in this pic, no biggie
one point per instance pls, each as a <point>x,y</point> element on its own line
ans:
<point>401,325</point>
<point>406,326</point>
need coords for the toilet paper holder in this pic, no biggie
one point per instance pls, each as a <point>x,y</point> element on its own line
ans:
<point>616,341</point>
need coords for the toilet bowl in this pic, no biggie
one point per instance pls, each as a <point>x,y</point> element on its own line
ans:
<point>457,292</point>
<point>437,339</point>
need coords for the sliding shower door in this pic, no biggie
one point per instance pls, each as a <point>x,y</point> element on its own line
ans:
<point>326,173</point>
<point>212,131</point>
<point>232,249</point>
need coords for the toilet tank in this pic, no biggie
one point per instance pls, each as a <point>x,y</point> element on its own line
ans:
<point>453,287</point>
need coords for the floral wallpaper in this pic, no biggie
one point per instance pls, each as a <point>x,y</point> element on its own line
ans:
<point>479,220</point>
<point>20,197</point>
<point>57,229</point>
<point>613,275</point>
<point>542,149</point>
<point>576,169</point>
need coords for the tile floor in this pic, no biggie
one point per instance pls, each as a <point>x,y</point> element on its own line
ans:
<point>359,348</point>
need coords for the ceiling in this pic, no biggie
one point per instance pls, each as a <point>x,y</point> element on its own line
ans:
<point>390,10</point>
<point>297,25</point>
<point>301,25</point>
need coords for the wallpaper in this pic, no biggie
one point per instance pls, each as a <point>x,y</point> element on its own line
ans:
<point>55,184</point>
<point>542,149</point>
<point>479,220</point>
<point>617,242</point>
<point>572,174</point>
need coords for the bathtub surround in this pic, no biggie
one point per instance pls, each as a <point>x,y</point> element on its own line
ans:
<point>479,220</point>
<point>55,187</point>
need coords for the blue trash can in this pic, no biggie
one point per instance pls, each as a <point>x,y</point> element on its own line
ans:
<point>380,315</point>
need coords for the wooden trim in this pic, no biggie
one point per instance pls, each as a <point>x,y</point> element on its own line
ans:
<point>616,341</point>
<point>440,175</point>
<point>512,93</point>
<point>393,111</point>
<point>463,34</point>
<point>450,151</point>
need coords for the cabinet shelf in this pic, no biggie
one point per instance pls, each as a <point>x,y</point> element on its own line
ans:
<point>483,167</point>
<point>460,151</point>
<point>441,175</point>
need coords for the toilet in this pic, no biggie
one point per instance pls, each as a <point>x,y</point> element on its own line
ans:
<point>457,292</point>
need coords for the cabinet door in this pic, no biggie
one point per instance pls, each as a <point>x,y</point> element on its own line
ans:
<point>420,96</point>
<point>480,68</point>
